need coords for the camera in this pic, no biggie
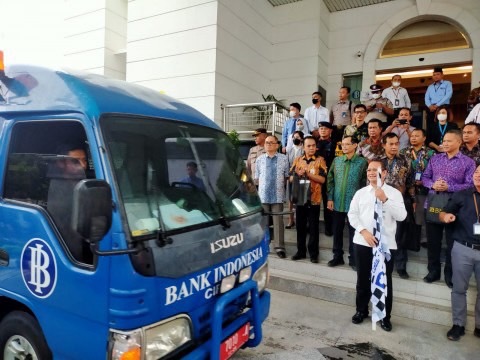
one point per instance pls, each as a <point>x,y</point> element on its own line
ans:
<point>402,121</point>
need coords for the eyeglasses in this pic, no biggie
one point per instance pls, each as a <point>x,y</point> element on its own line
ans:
<point>271,143</point>
<point>359,112</point>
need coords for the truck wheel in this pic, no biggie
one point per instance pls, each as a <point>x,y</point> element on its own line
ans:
<point>22,339</point>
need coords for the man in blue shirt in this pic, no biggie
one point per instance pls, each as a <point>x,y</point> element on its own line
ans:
<point>271,171</point>
<point>289,126</point>
<point>192,177</point>
<point>438,93</point>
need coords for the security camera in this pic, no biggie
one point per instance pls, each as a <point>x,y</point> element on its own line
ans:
<point>359,54</point>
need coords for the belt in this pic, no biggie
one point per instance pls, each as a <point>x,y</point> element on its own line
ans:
<point>470,245</point>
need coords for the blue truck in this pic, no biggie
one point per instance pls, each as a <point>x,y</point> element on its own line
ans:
<point>129,227</point>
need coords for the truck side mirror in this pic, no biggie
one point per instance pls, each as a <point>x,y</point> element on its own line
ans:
<point>92,209</point>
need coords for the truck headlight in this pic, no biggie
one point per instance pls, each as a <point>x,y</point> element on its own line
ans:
<point>261,277</point>
<point>166,337</point>
<point>154,341</point>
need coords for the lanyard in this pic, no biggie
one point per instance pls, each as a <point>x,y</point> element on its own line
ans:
<point>418,160</point>
<point>442,131</point>
<point>437,87</point>
<point>392,166</point>
<point>476,207</point>
<point>396,93</point>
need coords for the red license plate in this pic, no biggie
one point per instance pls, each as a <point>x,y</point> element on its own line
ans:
<point>234,342</point>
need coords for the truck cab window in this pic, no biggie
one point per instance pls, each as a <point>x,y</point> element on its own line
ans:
<point>172,177</point>
<point>45,162</point>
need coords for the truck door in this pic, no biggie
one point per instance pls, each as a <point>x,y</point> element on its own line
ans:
<point>47,266</point>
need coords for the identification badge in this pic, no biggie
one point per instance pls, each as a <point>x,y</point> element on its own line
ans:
<point>312,171</point>
<point>344,114</point>
<point>418,176</point>
<point>476,229</point>
<point>397,102</point>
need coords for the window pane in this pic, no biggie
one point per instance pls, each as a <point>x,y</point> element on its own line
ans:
<point>424,37</point>
<point>46,160</point>
<point>173,175</point>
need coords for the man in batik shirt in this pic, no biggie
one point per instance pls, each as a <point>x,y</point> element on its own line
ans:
<point>398,176</point>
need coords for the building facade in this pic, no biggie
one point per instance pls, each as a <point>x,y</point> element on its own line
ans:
<point>213,52</point>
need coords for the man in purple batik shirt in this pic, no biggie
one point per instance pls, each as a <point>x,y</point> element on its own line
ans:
<point>450,171</point>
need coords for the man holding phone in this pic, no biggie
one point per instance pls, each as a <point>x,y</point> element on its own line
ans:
<point>402,128</point>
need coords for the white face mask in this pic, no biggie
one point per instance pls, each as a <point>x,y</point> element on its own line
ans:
<point>375,95</point>
<point>299,127</point>
<point>396,83</point>
<point>292,114</point>
<point>442,117</point>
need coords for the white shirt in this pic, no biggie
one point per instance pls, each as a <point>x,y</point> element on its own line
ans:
<point>474,115</point>
<point>403,137</point>
<point>361,212</point>
<point>314,116</point>
<point>399,97</point>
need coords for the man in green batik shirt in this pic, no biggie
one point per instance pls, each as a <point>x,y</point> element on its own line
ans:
<point>347,174</point>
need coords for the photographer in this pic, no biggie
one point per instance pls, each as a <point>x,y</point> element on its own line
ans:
<point>402,128</point>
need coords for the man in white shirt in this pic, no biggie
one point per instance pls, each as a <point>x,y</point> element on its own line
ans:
<point>402,128</point>
<point>397,95</point>
<point>361,218</point>
<point>474,115</point>
<point>316,113</point>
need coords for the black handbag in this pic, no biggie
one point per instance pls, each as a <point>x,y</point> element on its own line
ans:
<point>436,203</point>
<point>300,190</point>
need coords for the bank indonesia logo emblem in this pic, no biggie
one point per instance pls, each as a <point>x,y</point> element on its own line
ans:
<point>39,269</point>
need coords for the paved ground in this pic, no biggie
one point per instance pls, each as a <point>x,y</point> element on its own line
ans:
<point>304,328</point>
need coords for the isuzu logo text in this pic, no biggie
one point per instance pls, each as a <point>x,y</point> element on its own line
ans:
<point>227,242</point>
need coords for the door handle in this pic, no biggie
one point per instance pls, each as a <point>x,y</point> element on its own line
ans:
<point>4,258</point>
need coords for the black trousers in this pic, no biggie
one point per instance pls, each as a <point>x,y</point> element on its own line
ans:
<point>311,214</point>
<point>401,254</point>
<point>363,258</point>
<point>327,215</point>
<point>434,246</point>
<point>338,224</point>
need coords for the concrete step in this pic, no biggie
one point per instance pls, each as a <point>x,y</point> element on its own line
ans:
<point>413,299</point>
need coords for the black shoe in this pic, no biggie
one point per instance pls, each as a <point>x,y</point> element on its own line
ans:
<point>281,254</point>
<point>358,317</point>
<point>289,226</point>
<point>314,260</point>
<point>423,245</point>
<point>455,332</point>
<point>403,274</point>
<point>431,277</point>
<point>297,256</point>
<point>386,325</point>
<point>336,262</point>
<point>476,332</point>
<point>328,233</point>
<point>448,278</point>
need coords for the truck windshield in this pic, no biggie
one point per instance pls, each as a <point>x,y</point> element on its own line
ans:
<point>173,175</point>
